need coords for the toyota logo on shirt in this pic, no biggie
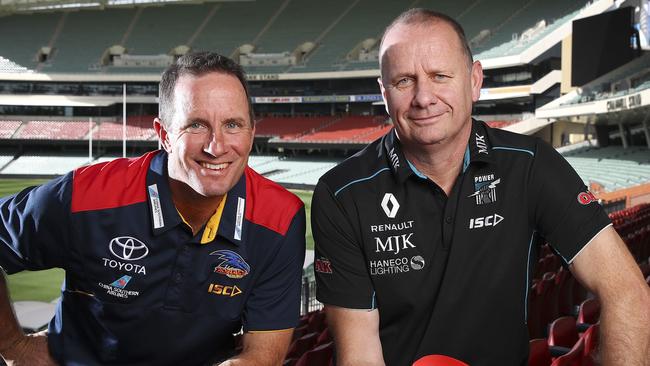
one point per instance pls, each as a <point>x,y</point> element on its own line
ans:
<point>128,248</point>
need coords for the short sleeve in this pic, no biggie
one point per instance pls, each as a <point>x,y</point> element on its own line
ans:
<point>35,227</point>
<point>565,213</point>
<point>342,278</point>
<point>274,303</point>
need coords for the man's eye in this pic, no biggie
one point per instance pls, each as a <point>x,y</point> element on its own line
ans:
<point>196,126</point>
<point>440,77</point>
<point>403,83</point>
<point>232,124</point>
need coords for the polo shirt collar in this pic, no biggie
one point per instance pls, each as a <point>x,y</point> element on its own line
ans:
<point>479,150</point>
<point>479,146</point>
<point>164,215</point>
<point>397,163</point>
<point>231,225</point>
<point>162,212</point>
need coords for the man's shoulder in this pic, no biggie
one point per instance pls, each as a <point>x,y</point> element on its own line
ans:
<point>268,203</point>
<point>358,168</point>
<point>506,141</point>
<point>116,183</point>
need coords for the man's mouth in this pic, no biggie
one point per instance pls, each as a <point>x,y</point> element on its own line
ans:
<point>214,166</point>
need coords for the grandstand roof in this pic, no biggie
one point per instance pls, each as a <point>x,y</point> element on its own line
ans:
<point>11,6</point>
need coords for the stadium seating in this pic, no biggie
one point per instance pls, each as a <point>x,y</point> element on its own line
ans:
<point>574,357</point>
<point>289,127</point>
<point>592,345</point>
<point>79,39</point>
<point>8,128</point>
<point>588,314</point>
<point>53,130</point>
<point>301,345</point>
<point>539,354</point>
<point>8,66</point>
<point>113,131</point>
<point>563,332</point>
<point>321,355</point>
<point>612,167</point>
<point>359,129</point>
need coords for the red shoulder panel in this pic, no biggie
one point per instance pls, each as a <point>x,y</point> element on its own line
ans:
<point>268,204</point>
<point>116,183</point>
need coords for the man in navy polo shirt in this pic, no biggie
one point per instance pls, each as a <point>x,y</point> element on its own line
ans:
<point>169,254</point>
<point>425,239</point>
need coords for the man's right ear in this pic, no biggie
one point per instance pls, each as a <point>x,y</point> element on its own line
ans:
<point>163,134</point>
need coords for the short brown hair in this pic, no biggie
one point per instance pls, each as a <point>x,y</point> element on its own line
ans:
<point>196,64</point>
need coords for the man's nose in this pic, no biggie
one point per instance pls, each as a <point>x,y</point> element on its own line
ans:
<point>425,93</point>
<point>214,144</point>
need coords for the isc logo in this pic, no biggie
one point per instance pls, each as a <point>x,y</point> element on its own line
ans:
<point>479,222</point>
<point>224,290</point>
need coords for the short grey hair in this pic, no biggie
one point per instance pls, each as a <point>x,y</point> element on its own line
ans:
<point>417,16</point>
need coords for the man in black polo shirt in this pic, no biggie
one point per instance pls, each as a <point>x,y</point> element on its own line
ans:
<point>425,239</point>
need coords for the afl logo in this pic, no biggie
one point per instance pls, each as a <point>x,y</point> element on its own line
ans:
<point>128,248</point>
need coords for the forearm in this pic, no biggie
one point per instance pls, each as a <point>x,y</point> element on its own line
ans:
<point>253,359</point>
<point>356,335</point>
<point>10,331</point>
<point>625,331</point>
<point>262,349</point>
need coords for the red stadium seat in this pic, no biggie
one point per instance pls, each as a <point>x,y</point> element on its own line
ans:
<point>573,358</point>
<point>324,337</point>
<point>539,353</point>
<point>592,345</point>
<point>302,345</point>
<point>589,312</point>
<point>564,282</point>
<point>317,322</point>
<point>563,332</point>
<point>300,331</point>
<point>550,301</point>
<point>319,356</point>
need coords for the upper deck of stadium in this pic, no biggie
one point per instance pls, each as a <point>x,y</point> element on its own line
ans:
<point>267,37</point>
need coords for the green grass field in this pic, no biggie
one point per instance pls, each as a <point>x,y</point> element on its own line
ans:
<point>46,285</point>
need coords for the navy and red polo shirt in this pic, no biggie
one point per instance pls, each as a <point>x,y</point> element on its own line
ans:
<point>140,288</point>
<point>449,274</point>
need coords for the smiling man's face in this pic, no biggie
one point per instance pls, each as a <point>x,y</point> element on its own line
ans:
<point>427,82</point>
<point>211,134</point>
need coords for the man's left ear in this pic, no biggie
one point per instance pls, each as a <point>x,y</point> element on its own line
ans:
<point>477,80</point>
<point>163,135</point>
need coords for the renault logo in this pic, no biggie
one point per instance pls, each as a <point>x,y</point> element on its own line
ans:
<point>128,248</point>
<point>390,205</point>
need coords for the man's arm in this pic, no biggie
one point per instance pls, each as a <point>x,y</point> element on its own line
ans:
<point>608,270</point>
<point>263,349</point>
<point>356,333</point>
<point>15,347</point>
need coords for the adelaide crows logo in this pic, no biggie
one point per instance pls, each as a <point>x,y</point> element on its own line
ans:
<point>231,265</point>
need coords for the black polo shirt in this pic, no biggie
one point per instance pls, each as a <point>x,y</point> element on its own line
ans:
<point>449,274</point>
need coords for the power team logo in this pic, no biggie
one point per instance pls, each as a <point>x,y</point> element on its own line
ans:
<point>485,189</point>
<point>232,264</point>
<point>585,198</point>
